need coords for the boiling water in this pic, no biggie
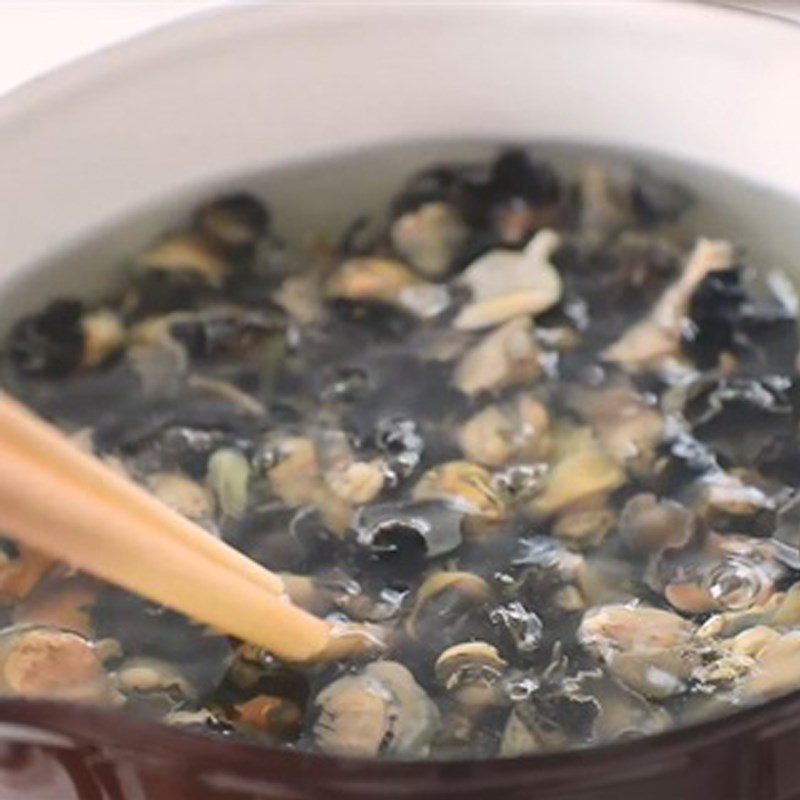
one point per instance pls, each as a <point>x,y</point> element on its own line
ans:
<point>527,624</point>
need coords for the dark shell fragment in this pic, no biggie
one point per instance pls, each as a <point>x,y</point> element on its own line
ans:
<point>48,344</point>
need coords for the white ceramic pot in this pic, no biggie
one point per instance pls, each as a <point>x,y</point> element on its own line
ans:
<point>245,90</point>
<point>98,156</point>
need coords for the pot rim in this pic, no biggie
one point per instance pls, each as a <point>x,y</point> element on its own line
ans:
<point>61,723</point>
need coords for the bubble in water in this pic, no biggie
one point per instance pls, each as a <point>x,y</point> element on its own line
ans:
<point>592,375</point>
<point>399,439</point>
<point>577,310</point>
<point>266,458</point>
<point>391,601</point>
<point>520,481</point>
<point>346,385</point>
<point>549,362</point>
<point>524,626</point>
<point>735,584</point>
<point>519,688</point>
<point>539,550</point>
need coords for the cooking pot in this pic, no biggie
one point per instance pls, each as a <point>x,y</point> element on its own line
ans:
<point>98,156</point>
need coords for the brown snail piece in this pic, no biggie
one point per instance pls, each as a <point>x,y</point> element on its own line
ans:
<point>43,661</point>
<point>381,710</point>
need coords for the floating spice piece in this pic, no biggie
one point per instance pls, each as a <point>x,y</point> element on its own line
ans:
<point>379,711</point>
<point>658,336</point>
<point>185,253</point>
<point>466,486</point>
<point>504,432</point>
<point>506,283</point>
<point>505,357</point>
<point>429,238</point>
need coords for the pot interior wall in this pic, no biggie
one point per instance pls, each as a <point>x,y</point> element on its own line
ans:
<point>325,196</point>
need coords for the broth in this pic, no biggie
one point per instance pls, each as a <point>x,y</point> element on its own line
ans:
<point>534,419</point>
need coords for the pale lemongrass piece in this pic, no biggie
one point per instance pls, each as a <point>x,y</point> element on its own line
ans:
<point>504,357</point>
<point>507,283</point>
<point>46,443</point>
<point>658,336</point>
<point>95,534</point>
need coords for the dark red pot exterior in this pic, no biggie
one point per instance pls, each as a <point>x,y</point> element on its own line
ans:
<point>51,751</point>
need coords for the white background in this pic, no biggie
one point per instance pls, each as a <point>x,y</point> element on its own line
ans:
<point>38,35</point>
